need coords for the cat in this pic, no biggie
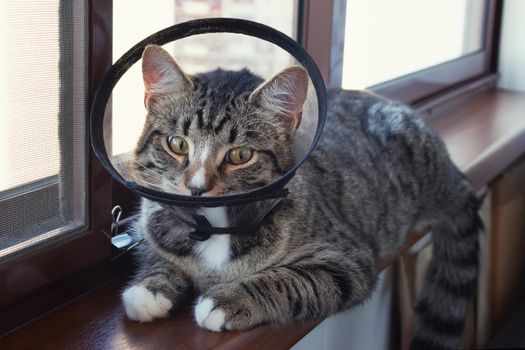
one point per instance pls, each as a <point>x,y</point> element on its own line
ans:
<point>377,173</point>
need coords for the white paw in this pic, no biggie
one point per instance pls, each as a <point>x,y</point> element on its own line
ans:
<point>144,306</point>
<point>208,317</point>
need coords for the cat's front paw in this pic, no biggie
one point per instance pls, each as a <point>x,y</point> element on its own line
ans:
<point>228,309</point>
<point>208,315</point>
<point>143,305</point>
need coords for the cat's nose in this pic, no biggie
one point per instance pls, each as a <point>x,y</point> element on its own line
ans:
<point>199,182</point>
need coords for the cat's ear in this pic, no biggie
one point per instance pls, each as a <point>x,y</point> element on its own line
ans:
<point>283,95</point>
<point>161,74</point>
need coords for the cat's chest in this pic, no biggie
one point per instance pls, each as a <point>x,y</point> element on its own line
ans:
<point>215,252</point>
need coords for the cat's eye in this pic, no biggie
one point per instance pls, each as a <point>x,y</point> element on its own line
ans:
<point>178,145</point>
<point>239,155</point>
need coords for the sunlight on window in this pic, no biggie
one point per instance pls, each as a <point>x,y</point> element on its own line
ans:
<point>29,86</point>
<point>387,39</point>
<point>43,146</point>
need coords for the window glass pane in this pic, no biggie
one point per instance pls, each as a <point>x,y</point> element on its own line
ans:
<point>194,56</point>
<point>387,39</point>
<point>42,118</point>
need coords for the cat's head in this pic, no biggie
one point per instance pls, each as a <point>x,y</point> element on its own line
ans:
<point>219,132</point>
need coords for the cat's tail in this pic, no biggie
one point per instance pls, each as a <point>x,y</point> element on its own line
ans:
<point>452,277</point>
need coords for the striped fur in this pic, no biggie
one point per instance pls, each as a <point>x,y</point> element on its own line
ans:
<point>377,172</point>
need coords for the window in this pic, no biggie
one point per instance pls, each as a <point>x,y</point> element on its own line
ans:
<point>42,112</point>
<point>388,39</point>
<point>55,199</point>
<point>412,50</point>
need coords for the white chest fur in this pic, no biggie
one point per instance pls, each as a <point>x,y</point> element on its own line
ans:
<point>216,250</point>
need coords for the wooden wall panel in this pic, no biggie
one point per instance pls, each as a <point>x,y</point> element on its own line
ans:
<point>507,275</point>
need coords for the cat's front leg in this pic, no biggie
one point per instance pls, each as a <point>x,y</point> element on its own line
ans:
<point>306,289</point>
<point>155,290</point>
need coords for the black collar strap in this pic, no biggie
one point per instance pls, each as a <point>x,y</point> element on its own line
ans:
<point>202,229</point>
<point>179,31</point>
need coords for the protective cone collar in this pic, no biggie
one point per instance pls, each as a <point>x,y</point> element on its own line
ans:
<point>211,25</point>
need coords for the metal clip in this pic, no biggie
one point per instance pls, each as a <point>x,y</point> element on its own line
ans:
<point>125,249</point>
<point>116,212</point>
<point>122,242</point>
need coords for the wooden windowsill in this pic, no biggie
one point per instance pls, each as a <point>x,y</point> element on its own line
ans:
<point>484,136</point>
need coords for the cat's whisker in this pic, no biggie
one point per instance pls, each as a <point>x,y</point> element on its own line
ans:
<point>148,169</point>
<point>142,165</point>
<point>141,180</point>
<point>151,176</point>
<point>154,176</point>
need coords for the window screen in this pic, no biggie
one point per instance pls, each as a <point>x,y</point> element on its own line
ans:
<point>43,146</point>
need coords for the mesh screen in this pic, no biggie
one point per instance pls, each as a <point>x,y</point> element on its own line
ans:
<point>42,122</point>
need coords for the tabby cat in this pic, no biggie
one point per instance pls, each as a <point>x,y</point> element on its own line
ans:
<point>377,173</point>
